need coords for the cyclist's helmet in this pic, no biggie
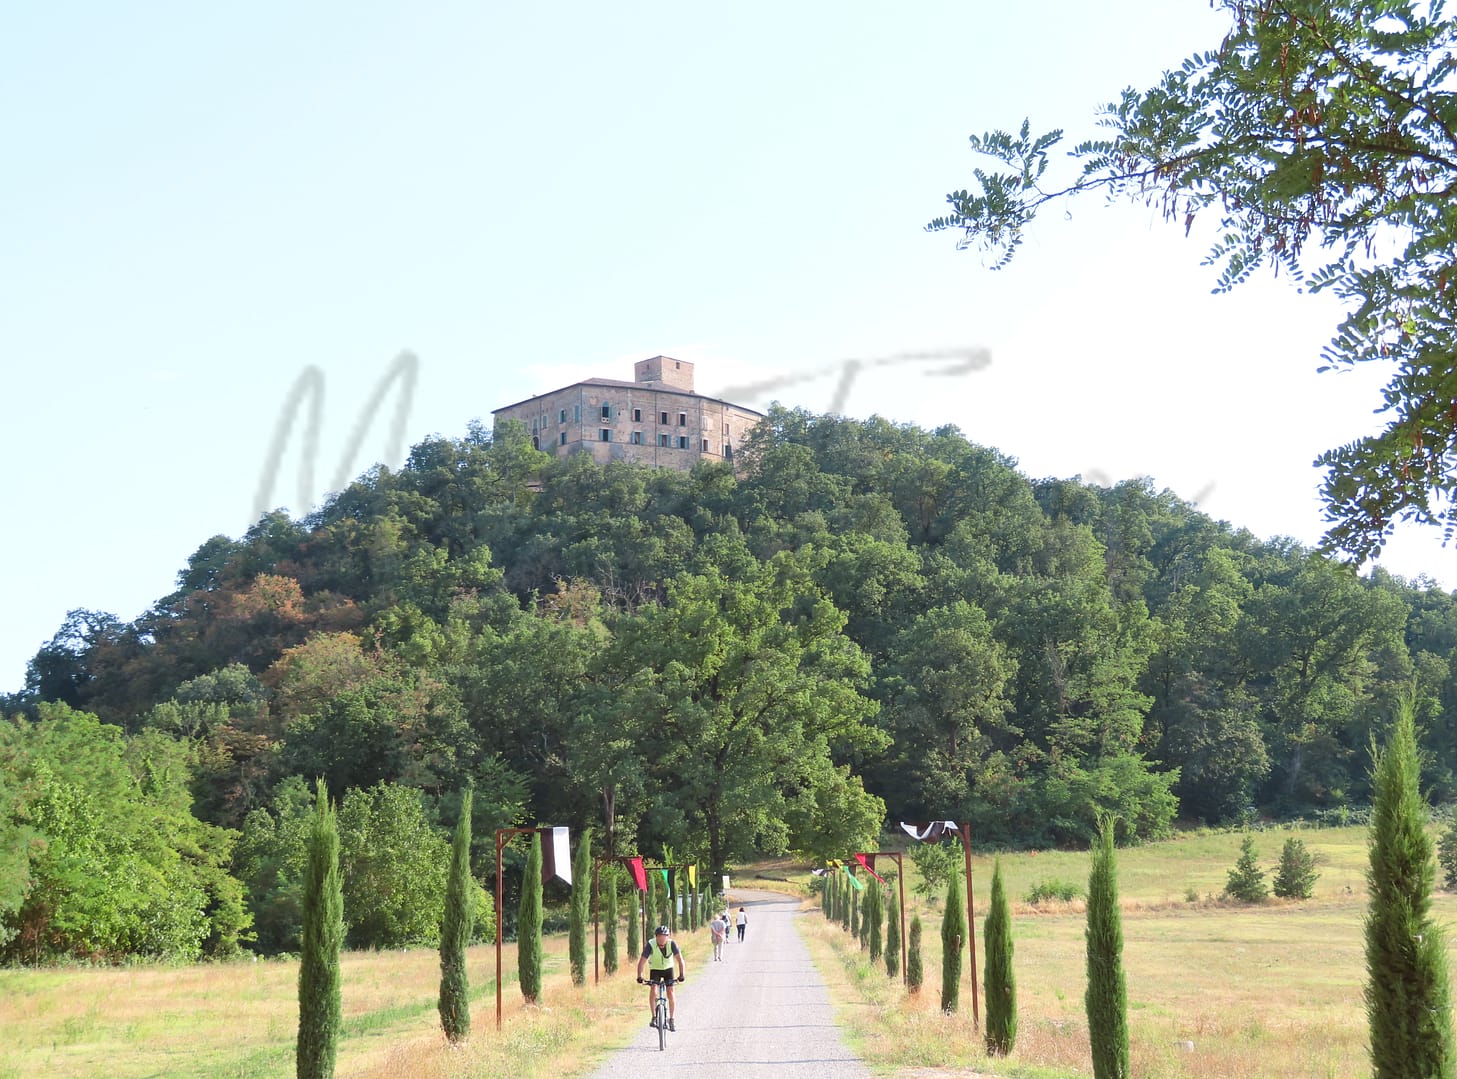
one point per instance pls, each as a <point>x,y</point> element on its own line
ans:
<point>661,931</point>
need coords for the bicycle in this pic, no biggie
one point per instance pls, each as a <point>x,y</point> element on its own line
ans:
<point>660,1011</point>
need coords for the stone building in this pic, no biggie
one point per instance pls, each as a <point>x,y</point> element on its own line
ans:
<point>656,420</point>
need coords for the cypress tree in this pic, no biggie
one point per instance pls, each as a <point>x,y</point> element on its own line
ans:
<point>847,900</point>
<point>1107,995</point>
<point>528,925</point>
<point>609,941</point>
<point>874,917</point>
<point>953,939</point>
<point>693,909</point>
<point>892,934</point>
<point>855,915</point>
<point>827,897</point>
<point>455,931</point>
<point>1000,982</point>
<point>913,955</point>
<point>581,908</point>
<point>323,933</point>
<point>1408,995</point>
<point>634,925</point>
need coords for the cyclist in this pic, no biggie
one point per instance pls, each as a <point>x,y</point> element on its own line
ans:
<point>658,955</point>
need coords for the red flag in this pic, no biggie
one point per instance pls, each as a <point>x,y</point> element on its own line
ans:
<point>868,861</point>
<point>639,874</point>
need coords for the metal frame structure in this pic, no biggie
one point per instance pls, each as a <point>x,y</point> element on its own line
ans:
<point>901,882</point>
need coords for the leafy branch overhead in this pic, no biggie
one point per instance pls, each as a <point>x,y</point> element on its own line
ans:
<point>1323,136</point>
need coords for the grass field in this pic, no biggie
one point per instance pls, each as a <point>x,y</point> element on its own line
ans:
<point>1214,990</point>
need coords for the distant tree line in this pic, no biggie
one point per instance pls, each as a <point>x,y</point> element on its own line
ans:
<point>874,621</point>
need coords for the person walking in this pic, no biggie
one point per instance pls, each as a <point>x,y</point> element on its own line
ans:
<point>743,923</point>
<point>718,929</point>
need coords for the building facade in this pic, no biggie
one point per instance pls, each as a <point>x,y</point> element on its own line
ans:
<point>655,420</point>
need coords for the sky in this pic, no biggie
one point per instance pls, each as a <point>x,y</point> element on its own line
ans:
<point>203,203</point>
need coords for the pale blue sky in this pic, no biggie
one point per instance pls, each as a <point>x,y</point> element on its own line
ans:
<point>198,202</point>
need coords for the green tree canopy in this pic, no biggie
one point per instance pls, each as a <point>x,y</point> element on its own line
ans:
<point>1320,133</point>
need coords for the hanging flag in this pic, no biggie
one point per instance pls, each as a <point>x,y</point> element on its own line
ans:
<point>639,874</point>
<point>667,881</point>
<point>858,886</point>
<point>819,872</point>
<point>693,877</point>
<point>929,833</point>
<point>556,854</point>
<point>868,861</point>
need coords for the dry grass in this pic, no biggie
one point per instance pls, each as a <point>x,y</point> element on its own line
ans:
<point>1215,989</point>
<point>240,1019</point>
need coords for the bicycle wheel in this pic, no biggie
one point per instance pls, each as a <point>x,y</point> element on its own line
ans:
<point>662,1025</point>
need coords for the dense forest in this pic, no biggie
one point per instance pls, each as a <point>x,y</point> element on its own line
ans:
<point>872,622</point>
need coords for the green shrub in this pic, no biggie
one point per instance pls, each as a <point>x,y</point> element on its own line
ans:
<point>1053,889</point>
<point>1247,880</point>
<point>1447,856</point>
<point>1296,876</point>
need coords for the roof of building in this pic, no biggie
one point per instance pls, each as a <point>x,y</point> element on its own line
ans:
<point>616,383</point>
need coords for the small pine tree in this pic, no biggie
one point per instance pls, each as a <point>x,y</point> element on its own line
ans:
<point>1447,856</point>
<point>1247,880</point>
<point>455,930</point>
<point>1000,981</point>
<point>319,1005</point>
<point>892,934</point>
<point>914,974</point>
<point>1296,876</point>
<point>1107,996</point>
<point>528,925</point>
<point>953,940</point>
<point>855,914</point>
<point>581,909</point>
<point>874,917</point>
<point>1408,994</point>
<point>610,918</point>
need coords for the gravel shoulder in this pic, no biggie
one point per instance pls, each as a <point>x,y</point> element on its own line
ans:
<point>763,1011</point>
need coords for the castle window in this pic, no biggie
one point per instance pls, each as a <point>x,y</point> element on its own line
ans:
<point>576,413</point>
<point>604,435</point>
<point>606,411</point>
<point>564,439</point>
<point>682,442</point>
<point>562,416</point>
<point>728,452</point>
<point>682,419</point>
<point>663,418</point>
<point>705,445</point>
<point>637,415</point>
<point>662,440</point>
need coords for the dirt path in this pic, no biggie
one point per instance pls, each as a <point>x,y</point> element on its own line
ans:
<point>763,1012</point>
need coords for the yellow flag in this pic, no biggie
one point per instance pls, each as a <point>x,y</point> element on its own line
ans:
<point>693,876</point>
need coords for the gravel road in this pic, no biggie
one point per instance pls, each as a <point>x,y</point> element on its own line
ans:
<point>761,1012</point>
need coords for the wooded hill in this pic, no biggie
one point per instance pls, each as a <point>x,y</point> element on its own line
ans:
<point>875,623</point>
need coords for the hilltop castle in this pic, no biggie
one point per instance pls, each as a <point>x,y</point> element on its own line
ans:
<point>656,420</point>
